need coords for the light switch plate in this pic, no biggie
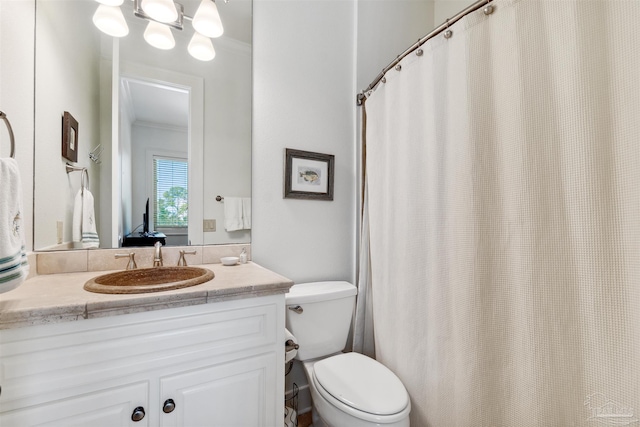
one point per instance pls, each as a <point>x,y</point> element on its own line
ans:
<point>209,225</point>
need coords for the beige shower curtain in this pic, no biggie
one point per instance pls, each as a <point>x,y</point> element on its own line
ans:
<point>503,173</point>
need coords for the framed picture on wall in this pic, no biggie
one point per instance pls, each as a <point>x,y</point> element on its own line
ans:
<point>308,175</point>
<point>69,137</point>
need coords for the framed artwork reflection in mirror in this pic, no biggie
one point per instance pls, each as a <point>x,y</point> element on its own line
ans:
<point>69,137</point>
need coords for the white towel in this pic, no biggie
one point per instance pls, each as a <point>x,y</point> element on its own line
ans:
<point>233,213</point>
<point>246,213</point>
<point>84,220</point>
<point>14,267</point>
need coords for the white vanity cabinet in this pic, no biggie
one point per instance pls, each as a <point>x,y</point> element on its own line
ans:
<point>106,408</point>
<point>239,387</point>
<point>215,364</point>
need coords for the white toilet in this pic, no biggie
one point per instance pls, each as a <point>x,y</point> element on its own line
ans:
<point>347,389</point>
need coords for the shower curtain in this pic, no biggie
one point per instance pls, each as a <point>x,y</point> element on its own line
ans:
<point>503,175</point>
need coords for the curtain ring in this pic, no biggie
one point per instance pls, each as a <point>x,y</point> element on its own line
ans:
<point>448,33</point>
<point>419,50</point>
<point>488,9</point>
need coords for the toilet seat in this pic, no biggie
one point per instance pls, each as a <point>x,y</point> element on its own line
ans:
<point>362,387</point>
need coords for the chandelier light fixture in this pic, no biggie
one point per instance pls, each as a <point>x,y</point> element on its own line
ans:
<point>159,35</point>
<point>163,15</point>
<point>160,10</point>
<point>207,21</point>
<point>200,47</point>
<point>109,19</point>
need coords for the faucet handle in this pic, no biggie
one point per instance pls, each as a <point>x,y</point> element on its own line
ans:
<point>132,261</point>
<point>157,256</point>
<point>182,262</point>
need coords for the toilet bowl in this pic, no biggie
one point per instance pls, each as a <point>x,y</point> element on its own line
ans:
<point>347,389</point>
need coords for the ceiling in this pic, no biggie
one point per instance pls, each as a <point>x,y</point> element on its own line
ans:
<point>155,104</point>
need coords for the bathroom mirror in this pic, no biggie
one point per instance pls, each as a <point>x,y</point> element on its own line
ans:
<point>135,103</point>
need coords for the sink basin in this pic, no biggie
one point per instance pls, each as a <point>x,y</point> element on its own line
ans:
<point>146,280</point>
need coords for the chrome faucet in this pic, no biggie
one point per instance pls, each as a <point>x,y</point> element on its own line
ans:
<point>157,255</point>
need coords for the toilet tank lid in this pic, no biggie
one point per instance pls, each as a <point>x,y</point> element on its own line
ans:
<point>319,291</point>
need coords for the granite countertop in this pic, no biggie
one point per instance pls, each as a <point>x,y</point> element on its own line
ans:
<point>56,298</point>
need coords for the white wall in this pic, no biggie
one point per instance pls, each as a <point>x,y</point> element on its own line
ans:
<point>227,169</point>
<point>16,94</point>
<point>444,9</point>
<point>67,79</point>
<point>386,29</point>
<point>303,98</point>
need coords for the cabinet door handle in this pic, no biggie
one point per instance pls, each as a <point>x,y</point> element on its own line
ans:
<point>138,414</point>
<point>296,308</point>
<point>169,406</point>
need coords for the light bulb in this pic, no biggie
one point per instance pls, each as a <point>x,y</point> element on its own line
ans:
<point>111,2</point>
<point>207,21</point>
<point>160,10</point>
<point>200,47</point>
<point>159,35</point>
<point>109,20</point>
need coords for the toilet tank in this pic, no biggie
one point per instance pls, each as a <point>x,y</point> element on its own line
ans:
<point>322,324</point>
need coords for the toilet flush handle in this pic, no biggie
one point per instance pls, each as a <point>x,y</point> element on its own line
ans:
<point>296,308</point>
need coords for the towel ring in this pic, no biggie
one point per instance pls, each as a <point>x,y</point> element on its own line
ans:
<point>3,116</point>
<point>85,172</point>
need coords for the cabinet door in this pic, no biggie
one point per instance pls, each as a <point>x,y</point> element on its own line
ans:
<point>107,408</point>
<point>232,394</point>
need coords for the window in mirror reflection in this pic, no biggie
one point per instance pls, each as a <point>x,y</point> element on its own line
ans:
<point>170,192</point>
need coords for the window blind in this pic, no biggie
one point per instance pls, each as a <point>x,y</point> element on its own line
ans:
<point>170,192</point>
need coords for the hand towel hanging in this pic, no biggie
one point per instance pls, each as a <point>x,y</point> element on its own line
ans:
<point>233,213</point>
<point>14,267</point>
<point>84,225</point>
<point>246,213</point>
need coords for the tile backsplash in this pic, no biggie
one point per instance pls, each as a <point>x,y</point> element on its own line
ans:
<point>104,259</point>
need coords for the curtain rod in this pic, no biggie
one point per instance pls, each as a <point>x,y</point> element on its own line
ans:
<point>488,10</point>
